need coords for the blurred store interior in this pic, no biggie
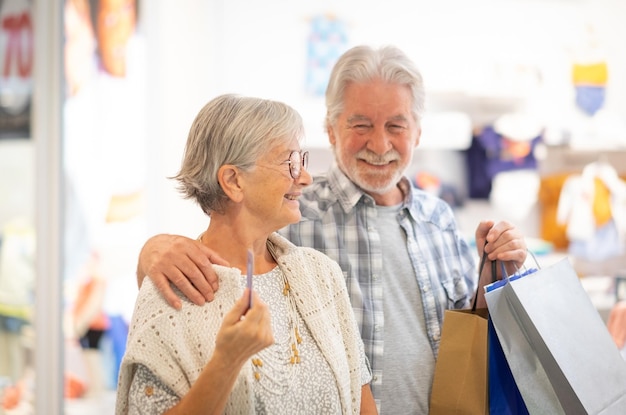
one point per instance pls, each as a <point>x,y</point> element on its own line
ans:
<point>525,121</point>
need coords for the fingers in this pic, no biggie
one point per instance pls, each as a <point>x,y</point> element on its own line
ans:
<point>196,266</point>
<point>184,262</point>
<point>244,333</point>
<point>254,314</point>
<point>199,271</point>
<point>481,235</point>
<point>259,321</point>
<point>483,228</point>
<point>616,324</point>
<point>166,291</point>
<point>188,287</point>
<point>504,242</point>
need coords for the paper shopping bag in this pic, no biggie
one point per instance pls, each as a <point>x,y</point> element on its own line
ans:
<point>528,372</point>
<point>557,346</point>
<point>460,379</point>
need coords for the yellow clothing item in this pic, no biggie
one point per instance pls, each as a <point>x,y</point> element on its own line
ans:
<point>601,203</point>
<point>594,74</point>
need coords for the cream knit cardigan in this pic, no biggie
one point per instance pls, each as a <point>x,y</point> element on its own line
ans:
<point>176,344</point>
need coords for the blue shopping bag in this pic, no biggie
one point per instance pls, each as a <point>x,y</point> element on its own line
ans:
<point>504,395</point>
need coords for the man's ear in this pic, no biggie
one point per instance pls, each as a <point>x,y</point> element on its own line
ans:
<point>229,179</point>
<point>419,135</point>
<point>331,134</point>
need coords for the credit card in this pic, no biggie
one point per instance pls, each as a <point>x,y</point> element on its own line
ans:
<point>249,276</point>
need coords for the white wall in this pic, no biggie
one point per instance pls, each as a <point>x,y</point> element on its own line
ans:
<point>182,76</point>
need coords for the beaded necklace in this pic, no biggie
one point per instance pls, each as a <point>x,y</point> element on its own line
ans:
<point>292,356</point>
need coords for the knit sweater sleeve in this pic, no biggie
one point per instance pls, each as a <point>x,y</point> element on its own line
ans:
<point>176,344</point>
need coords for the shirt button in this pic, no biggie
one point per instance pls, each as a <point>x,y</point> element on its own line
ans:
<point>376,327</point>
<point>375,277</point>
<point>149,391</point>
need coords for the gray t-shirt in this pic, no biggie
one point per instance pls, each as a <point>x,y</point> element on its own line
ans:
<point>408,359</point>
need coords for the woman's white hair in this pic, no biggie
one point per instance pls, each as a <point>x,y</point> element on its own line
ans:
<point>236,130</point>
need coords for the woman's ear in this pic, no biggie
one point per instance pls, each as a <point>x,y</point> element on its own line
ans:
<point>229,179</point>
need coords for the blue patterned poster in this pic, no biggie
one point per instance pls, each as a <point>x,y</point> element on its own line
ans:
<point>326,42</point>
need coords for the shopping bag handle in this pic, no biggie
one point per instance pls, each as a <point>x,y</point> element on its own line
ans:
<point>494,272</point>
<point>505,274</point>
<point>494,277</point>
<point>532,255</point>
<point>507,278</point>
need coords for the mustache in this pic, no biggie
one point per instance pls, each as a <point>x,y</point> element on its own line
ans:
<point>373,158</point>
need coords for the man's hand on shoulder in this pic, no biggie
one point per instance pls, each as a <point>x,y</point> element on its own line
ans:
<point>181,261</point>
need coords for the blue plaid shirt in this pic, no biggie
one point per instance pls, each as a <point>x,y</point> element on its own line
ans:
<point>338,219</point>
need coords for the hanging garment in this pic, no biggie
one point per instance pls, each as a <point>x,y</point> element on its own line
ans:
<point>592,205</point>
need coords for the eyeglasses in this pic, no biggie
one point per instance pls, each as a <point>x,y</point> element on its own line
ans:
<point>298,160</point>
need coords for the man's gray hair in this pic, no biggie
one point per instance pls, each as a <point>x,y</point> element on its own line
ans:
<point>365,64</point>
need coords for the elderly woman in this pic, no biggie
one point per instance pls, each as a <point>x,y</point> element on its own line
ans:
<point>296,348</point>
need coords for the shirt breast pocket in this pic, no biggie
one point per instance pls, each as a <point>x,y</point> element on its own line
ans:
<point>454,288</point>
